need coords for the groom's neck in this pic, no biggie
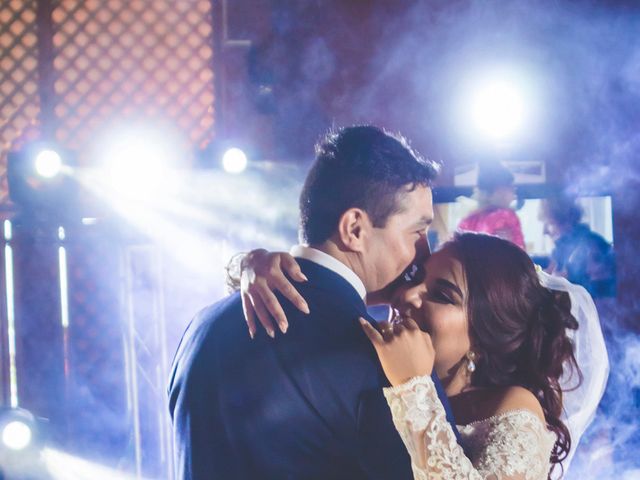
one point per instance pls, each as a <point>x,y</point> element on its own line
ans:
<point>352,260</point>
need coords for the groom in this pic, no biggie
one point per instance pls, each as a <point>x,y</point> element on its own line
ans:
<point>309,404</point>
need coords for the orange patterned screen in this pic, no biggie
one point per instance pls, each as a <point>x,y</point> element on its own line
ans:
<point>113,60</point>
<point>19,100</point>
<point>118,59</point>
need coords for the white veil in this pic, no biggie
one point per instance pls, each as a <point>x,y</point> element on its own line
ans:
<point>580,403</point>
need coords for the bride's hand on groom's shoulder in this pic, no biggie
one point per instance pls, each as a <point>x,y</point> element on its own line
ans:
<point>404,350</point>
<point>263,273</point>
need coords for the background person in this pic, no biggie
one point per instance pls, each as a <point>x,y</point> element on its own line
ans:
<point>579,254</point>
<point>495,193</point>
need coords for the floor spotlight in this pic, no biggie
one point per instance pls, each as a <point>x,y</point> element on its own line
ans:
<point>21,444</point>
<point>234,160</point>
<point>48,163</point>
<point>18,429</point>
<point>17,435</point>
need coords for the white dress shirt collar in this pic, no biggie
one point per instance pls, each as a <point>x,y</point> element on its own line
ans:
<point>316,256</point>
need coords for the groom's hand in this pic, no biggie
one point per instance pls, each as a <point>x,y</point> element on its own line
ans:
<point>262,273</point>
<point>404,350</point>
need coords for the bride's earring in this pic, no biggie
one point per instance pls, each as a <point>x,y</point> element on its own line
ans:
<point>471,365</point>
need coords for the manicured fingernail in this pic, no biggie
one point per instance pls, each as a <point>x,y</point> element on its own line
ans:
<point>271,333</point>
<point>362,321</point>
<point>283,327</point>
<point>305,308</point>
<point>252,334</point>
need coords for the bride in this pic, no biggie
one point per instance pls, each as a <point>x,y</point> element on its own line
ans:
<point>499,340</point>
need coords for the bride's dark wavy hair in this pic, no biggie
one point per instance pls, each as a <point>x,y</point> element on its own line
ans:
<point>517,327</point>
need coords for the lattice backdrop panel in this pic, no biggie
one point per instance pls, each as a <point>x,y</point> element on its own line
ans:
<point>113,60</point>
<point>106,62</point>
<point>19,100</point>
<point>121,59</point>
<point>100,427</point>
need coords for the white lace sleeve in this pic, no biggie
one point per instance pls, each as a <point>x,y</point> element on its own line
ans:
<point>511,446</point>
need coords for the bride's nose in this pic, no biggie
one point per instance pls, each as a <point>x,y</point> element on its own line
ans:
<point>412,296</point>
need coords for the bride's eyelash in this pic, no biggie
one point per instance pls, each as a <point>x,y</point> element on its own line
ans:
<point>440,297</point>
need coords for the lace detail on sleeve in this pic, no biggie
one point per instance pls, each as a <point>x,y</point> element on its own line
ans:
<point>511,446</point>
<point>421,421</point>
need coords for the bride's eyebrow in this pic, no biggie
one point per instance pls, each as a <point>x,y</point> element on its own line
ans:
<point>449,285</point>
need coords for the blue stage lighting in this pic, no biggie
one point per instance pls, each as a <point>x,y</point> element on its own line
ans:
<point>234,160</point>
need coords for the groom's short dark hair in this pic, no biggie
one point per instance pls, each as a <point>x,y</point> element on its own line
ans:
<point>362,167</point>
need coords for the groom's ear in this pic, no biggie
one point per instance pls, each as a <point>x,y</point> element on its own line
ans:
<point>353,229</point>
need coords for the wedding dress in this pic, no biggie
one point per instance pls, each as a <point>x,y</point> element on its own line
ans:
<point>514,445</point>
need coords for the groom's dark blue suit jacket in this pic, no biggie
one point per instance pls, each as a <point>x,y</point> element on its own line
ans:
<point>306,405</point>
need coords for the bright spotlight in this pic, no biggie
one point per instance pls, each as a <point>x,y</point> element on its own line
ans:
<point>16,435</point>
<point>234,160</point>
<point>500,105</point>
<point>139,162</point>
<point>498,109</point>
<point>135,165</point>
<point>48,163</point>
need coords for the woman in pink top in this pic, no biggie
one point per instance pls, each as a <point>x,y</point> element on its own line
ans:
<point>495,192</point>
